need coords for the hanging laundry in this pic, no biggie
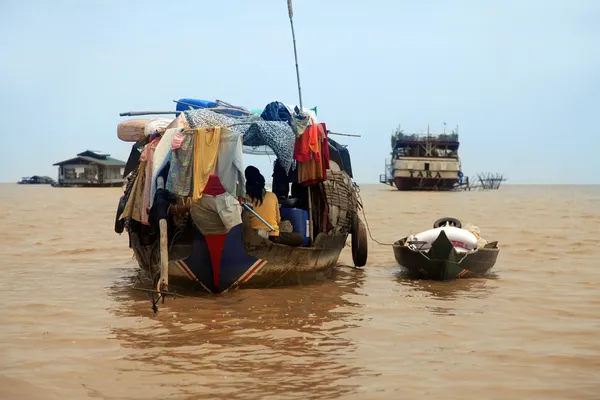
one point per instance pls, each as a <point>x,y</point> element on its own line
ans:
<point>177,141</point>
<point>276,111</point>
<point>162,155</point>
<point>230,163</point>
<point>324,149</point>
<point>217,211</point>
<point>299,123</point>
<point>179,181</point>
<point>294,109</point>
<point>135,202</point>
<point>312,154</point>
<point>279,136</point>
<point>150,149</point>
<point>206,150</point>
<point>307,144</point>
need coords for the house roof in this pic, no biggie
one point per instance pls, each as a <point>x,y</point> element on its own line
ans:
<point>93,157</point>
<point>94,154</point>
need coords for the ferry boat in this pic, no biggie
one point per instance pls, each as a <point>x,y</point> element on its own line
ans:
<point>424,162</point>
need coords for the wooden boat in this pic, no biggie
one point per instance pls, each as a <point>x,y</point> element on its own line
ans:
<point>443,260</point>
<point>241,257</point>
<point>325,203</point>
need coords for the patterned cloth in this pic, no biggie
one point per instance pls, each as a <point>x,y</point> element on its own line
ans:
<point>279,136</point>
<point>204,118</point>
<point>179,181</point>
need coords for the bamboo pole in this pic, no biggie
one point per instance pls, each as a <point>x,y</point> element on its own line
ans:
<point>343,134</point>
<point>137,113</point>
<point>247,207</point>
<point>291,14</point>
<point>163,282</point>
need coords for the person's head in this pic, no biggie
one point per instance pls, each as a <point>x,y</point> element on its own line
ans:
<point>251,171</point>
<point>255,184</point>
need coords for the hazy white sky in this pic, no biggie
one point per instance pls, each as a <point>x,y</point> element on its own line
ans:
<point>520,77</point>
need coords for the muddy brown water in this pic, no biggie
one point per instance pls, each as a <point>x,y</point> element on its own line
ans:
<point>72,328</point>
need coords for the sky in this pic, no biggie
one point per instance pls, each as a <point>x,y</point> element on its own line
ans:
<point>520,78</point>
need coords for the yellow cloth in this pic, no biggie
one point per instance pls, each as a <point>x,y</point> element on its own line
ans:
<point>269,211</point>
<point>206,149</point>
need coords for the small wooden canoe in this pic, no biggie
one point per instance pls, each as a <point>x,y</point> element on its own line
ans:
<point>442,261</point>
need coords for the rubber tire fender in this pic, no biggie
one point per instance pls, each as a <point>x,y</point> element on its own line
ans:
<point>360,249</point>
<point>453,222</point>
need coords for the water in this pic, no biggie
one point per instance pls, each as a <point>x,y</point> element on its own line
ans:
<point>73,328</point>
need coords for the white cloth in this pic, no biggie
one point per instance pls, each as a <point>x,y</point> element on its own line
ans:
<point>216,215</point>
<point>230,163</point>
<point>156,123</point>
<point>162,155</point>
<point>229,210</point>
<point>310,112</point>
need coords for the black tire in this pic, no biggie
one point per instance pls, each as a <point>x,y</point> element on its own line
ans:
<point>442,221</point>
<point>359,242</point>
<point>119,223</point>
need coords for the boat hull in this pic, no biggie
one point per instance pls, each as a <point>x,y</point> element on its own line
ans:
<point>239,259</point>
<point>443,262</point>
<point>408,183</point>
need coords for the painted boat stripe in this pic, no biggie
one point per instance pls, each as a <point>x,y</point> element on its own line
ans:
<point>191,275</point>
<point>253,270</point>
<point>182,265</point>
<point>461,273</point>
<point>248,271</point>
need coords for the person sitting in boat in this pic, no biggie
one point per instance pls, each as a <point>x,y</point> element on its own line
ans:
<point>266,205</point>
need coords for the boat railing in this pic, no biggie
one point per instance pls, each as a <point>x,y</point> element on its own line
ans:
<point>417,137</point>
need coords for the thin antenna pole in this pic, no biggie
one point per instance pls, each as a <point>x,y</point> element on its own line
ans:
<point>291,13</point>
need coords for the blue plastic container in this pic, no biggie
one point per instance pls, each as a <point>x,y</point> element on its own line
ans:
<point>194,102</point>
<point>299,219</point>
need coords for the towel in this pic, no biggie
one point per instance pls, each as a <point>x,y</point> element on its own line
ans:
<point>162,155</point>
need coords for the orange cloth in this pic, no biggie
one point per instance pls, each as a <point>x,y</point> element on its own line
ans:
<point>206,150</point>
<point>307,145</point>
<point>314,169</point>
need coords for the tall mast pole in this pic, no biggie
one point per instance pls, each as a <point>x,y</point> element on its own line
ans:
<point>291,13</point>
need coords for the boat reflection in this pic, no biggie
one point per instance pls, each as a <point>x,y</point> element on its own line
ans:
<point>451,292</point>
<point>279,340</point>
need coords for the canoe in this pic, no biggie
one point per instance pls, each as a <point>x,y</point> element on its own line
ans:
<point>443,261</point>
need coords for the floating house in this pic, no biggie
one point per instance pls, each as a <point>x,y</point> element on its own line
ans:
<point>90,168</point>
